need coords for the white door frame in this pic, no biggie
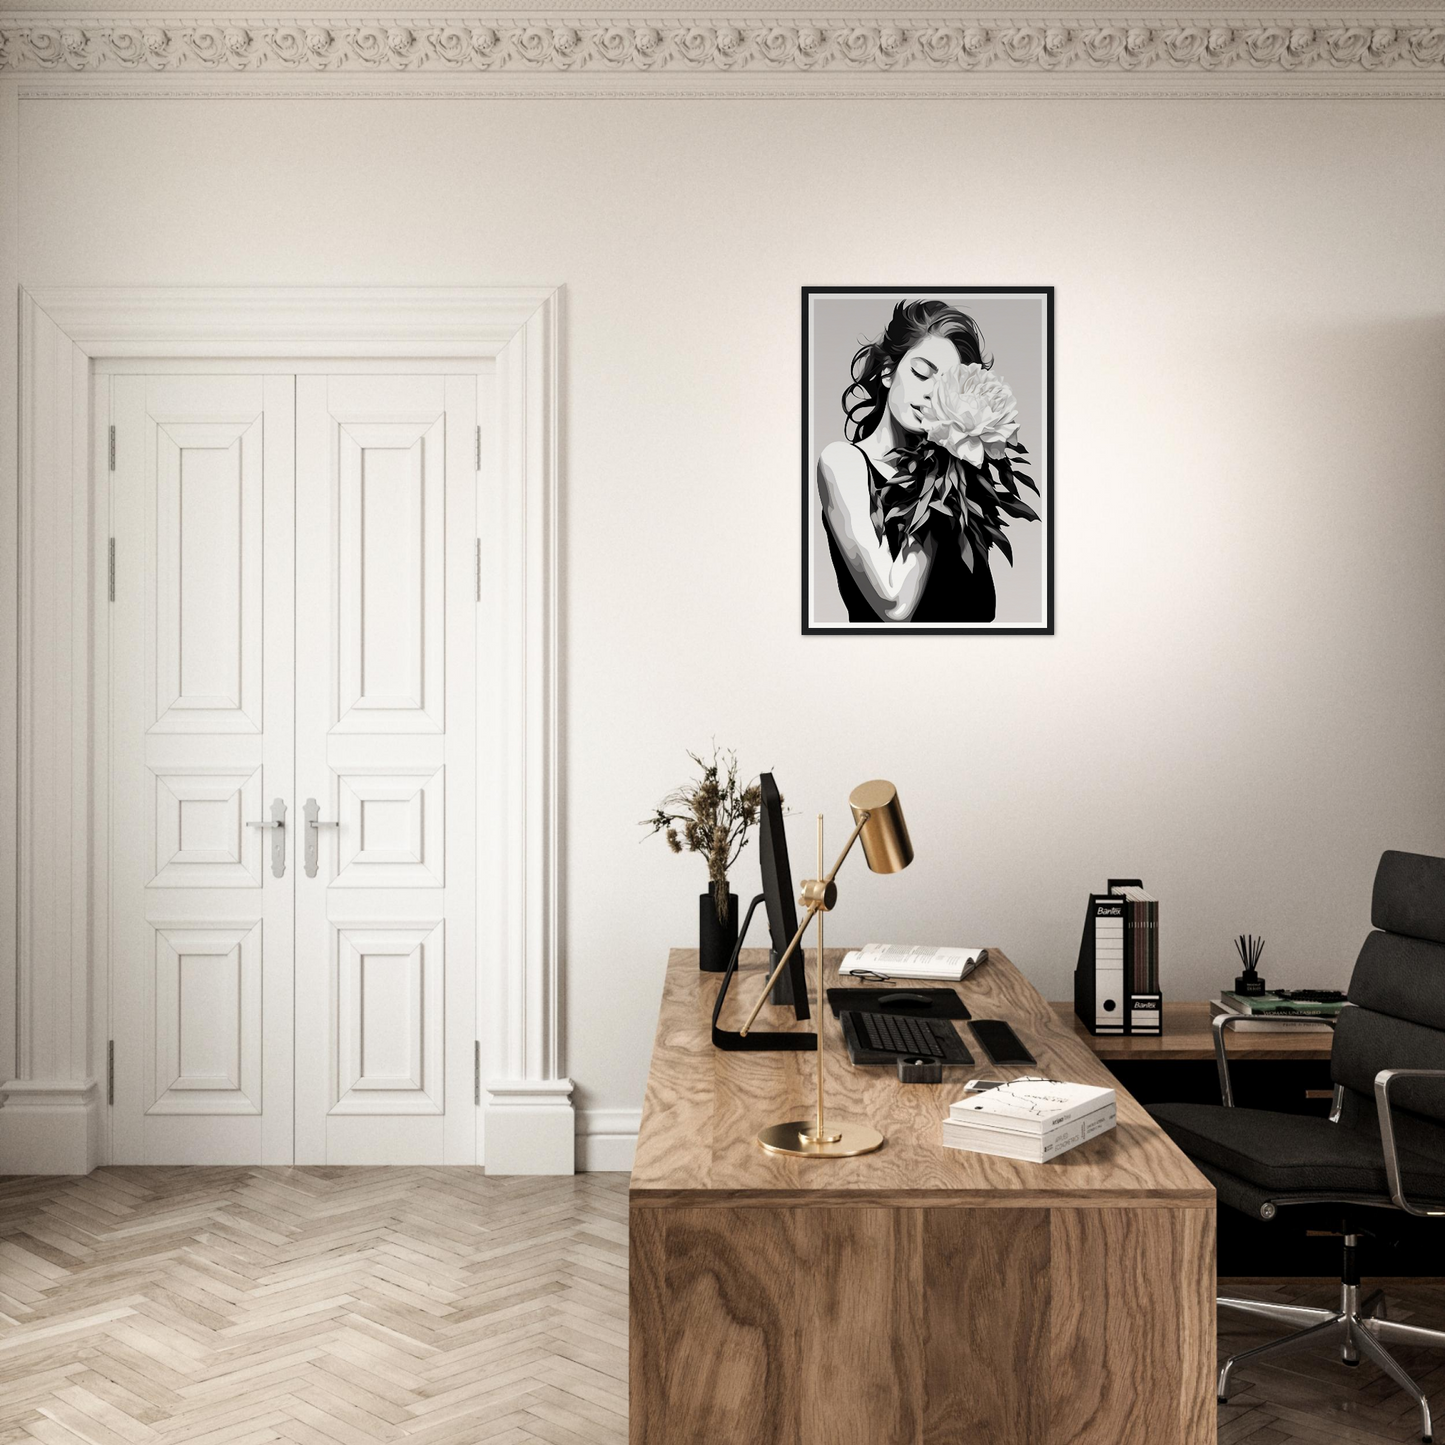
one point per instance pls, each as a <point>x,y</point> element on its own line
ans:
<point>54,991</point>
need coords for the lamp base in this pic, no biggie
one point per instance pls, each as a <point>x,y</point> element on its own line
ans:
<point>795,1137</point>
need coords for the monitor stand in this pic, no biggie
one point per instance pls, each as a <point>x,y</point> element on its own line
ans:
<point>758,1040</point>
<point>782,993</point>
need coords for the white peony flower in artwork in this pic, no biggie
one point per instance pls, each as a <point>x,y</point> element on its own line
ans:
<point>971,414</point>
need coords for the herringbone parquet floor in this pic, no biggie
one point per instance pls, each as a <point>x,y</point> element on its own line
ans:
<point>429,1307</point>
<point>318,1306</point>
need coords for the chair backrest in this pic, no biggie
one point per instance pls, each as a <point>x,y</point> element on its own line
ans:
<point>1398,993</point>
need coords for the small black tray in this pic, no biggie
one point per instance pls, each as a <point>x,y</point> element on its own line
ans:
<point>922,1003</point>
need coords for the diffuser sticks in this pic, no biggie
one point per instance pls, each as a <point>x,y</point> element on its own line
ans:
<point>1249,948</point>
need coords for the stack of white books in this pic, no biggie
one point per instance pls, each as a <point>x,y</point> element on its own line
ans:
<point>902,960</point>
<point>1032,1119</point>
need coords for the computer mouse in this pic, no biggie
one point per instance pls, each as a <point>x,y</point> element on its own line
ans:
<point>902,999</point>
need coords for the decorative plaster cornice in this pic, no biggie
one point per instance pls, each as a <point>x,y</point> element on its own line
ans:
<point>878,46</point>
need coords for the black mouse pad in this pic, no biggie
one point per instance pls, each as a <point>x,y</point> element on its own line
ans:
<point>915,1003</point>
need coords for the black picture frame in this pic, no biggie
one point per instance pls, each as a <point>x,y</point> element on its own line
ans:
<point>1042,468</point>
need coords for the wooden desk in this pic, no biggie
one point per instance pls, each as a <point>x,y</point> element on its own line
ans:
<point>919,1295</point>
<point>1188,1036</point>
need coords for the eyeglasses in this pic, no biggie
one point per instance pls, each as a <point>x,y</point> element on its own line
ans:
<point>870,976</point>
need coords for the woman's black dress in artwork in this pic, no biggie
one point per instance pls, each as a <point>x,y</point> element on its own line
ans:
<point>952,592</point>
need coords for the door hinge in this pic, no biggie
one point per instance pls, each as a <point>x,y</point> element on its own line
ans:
<point>479,446</point>
<point>110,569</point>
<point>477,1072</point>
<point>112,448</point>
<point>110,1072</point>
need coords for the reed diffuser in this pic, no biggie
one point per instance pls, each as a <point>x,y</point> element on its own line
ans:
<point>1249,948</point>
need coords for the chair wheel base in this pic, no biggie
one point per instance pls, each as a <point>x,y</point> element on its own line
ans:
<point>1358,1330</point>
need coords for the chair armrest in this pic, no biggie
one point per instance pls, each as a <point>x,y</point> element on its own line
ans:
<point>1383,1080</point>
<point>1223,1021</point>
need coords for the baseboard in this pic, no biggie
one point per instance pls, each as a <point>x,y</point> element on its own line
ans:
<point>49,1126</point>
<point>530,1127</point>
<point>607,1139</point>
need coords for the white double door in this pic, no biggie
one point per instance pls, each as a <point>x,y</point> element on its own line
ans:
<point>292,642</point>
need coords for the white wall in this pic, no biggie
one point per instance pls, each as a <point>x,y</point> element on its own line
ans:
<point>1243,700</point>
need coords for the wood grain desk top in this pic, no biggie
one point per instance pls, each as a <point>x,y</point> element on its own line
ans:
<point>1187,1035</point>
<point>704,1106</point>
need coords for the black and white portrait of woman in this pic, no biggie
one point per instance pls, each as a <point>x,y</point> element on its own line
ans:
<point>927,460</point>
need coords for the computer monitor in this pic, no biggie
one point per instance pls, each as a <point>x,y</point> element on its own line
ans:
<point>791,987</point>
<point>777,897</point>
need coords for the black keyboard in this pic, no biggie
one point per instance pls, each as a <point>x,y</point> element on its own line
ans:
<point>902,1037</point>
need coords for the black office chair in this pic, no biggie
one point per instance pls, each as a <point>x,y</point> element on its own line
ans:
<point>1383,1146</point>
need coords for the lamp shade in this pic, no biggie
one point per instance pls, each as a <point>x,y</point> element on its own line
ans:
<point>886,844</point>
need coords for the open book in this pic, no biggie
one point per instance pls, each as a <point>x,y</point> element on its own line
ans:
<point>901,960</point>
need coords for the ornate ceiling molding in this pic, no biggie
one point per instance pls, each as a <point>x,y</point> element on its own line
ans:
<point>1409,53</point>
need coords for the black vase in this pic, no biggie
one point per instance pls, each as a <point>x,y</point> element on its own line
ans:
<point>715,940</point>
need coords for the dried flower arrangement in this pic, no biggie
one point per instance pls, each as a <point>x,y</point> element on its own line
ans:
<point>711,816</point>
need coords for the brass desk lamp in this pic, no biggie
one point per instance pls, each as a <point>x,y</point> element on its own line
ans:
<point>878,821</point>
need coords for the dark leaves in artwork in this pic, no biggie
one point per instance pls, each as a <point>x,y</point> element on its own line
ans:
<point>875,515</point>
<point>1011,473</point>
<point>968,504</point>
<point>1016,507</point>
<point>998,539</point>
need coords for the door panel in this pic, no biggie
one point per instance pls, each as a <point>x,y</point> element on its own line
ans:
<point>201,743</point>
<point>390,574</point>
<point>385,673</point>
<point>209,561</point>
<point>197,829</point>
<point>392,828</point>
<point>389,995</point>
<point>207,1054</point>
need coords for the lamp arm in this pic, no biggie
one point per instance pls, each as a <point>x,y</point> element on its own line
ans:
<point>773,977</point>
<point>813,910</point>
<point>848,847</point>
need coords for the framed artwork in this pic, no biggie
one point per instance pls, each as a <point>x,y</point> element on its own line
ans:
<point>928,459</point>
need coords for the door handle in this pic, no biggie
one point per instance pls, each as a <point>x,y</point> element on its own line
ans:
<point>314,825</point>
<point>278,841</point>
